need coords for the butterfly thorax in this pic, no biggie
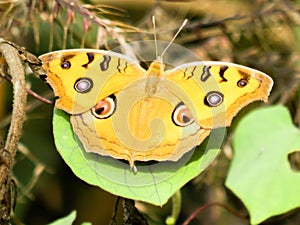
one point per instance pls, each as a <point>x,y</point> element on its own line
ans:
<point>154,75</point>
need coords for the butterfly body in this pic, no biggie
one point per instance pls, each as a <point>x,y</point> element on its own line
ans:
<point>118,109</point>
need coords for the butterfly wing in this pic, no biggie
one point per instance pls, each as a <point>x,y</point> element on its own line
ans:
<point>119,109</point>
<point>215,91</point>
<point>82,77</point>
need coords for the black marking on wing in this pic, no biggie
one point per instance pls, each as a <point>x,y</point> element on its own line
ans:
<point>90,57</point>
<point>119,65</point>
<point>192,73</point>
<point>205,74</point>
<point>65,64</point>
<point>244,75</point>
<point>104,65</point>
<point>67,57</point>
<point>126,65</point>
<point>65,61</point>
<point>184,72</point>
<point>221,73</point>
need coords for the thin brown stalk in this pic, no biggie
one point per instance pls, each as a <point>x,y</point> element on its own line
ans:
<point>7,154</point>
<point>200,209</point>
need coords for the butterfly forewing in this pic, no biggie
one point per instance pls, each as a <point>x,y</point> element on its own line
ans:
<point>216,91</point>
<point>82,77</point>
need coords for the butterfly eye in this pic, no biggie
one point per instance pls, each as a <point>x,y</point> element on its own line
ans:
<point>182,115</point>
<point>83,85</point>
<point>213,98</point>
<point>105,108</point>
<point>242,83</point>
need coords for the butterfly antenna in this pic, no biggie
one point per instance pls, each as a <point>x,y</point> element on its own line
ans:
<point>180,28</point>
<point>155,39</point>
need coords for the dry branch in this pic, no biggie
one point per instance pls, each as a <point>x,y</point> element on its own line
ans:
<point>16,71</point>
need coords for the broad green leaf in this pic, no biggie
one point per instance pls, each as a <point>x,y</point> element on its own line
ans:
<point>154,183</point>
<point>67,220</point>
<point>260,173</point>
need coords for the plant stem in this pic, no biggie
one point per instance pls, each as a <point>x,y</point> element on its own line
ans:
<point>7,154</point>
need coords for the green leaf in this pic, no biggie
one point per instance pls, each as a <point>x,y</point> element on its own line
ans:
<point>260,173</point>
<point>153,183</point>
<point>67,220</point>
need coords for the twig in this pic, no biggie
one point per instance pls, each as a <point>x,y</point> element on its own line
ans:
<point>260,14</point>
<point>109,26</point>
<point>7,154</point>
<point>32,93</point>
<point>200,209</point>
<point>114,28</point>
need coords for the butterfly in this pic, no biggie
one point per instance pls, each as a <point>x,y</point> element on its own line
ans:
<point>119,109</point>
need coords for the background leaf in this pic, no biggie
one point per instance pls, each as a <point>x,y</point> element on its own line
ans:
<point>154,183</point>
<point>260,173</point>
<point>67,220</point>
